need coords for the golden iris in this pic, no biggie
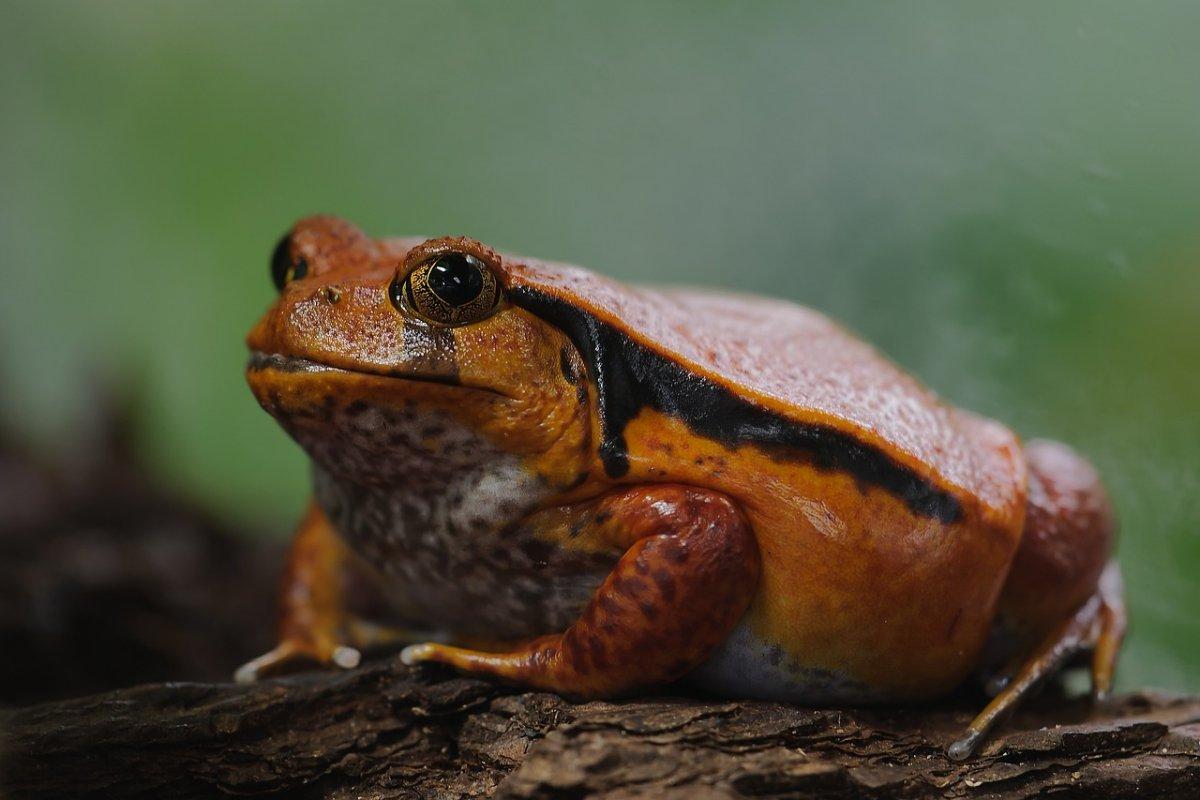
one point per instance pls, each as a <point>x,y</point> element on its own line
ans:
<point>449,289</point>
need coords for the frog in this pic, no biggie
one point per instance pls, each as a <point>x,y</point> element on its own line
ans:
<point>562,482</point>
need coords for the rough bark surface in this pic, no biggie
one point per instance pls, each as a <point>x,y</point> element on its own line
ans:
<point>106,580</point>
<point>385,731</point>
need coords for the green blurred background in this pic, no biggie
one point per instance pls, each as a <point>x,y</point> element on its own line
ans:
<point>1005,199</point>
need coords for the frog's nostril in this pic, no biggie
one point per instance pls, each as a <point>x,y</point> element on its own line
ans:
<point>333,294</point>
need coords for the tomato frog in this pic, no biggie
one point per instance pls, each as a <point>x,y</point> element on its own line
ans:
<point>566,483</point>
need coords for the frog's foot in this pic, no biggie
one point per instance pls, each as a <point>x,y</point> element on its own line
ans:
<point>1098,626</point>
<point>686,578</point>
<point>294,655</point>
<point>343,651</point>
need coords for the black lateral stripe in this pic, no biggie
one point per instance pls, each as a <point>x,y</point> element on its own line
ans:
<point>630,376</point>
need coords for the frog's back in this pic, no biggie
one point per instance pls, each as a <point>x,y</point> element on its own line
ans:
<point>815,384</point>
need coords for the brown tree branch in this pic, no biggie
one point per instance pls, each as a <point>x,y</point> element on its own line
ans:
<point>385,731</point>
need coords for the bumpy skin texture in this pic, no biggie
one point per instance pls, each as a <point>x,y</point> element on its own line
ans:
<point>689,569</point>
<point>848,536</point>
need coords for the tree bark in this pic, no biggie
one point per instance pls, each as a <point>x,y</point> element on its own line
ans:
<point>388,731</point>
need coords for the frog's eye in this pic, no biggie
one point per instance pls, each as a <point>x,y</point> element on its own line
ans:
<point>285,268</point>
<point>448,289</point>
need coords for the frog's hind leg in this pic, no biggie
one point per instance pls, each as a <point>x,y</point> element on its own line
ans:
<point>688,573</point>
<point>1098,626</point>
<point>1063,596</point>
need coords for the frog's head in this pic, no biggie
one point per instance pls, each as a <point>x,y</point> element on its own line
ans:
<point>386,358</point>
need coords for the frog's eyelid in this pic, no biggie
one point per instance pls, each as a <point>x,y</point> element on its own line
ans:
<point>430,249</point>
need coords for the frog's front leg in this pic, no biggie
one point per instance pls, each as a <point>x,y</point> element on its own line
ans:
<point>314,627</point>
<point>688,573</point>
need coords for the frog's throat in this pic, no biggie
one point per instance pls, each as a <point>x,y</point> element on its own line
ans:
<point>396,428</point>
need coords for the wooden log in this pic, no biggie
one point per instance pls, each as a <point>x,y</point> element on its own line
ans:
<point>389,731</point>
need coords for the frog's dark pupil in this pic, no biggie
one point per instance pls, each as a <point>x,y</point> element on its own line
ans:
<point>456,278</point>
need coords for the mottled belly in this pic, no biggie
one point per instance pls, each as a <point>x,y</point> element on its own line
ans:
<point>464,579</point>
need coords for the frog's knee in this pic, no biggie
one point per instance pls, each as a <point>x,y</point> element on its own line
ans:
<point>1066,541</point>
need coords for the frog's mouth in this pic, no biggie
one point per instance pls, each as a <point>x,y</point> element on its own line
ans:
<point>260,361</point>
<point>277,362</point>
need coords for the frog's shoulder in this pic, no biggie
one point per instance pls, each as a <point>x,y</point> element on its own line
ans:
<point>755,370</point>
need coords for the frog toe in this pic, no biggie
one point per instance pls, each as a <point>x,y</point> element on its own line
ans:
<point>416,653</point>
<point>346,657</point>
<point>268,663</point>
<point>289,657</point>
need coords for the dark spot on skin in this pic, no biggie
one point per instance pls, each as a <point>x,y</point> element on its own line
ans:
<point>597,652</point>
<point>530,597</point>
<point>608,603</point>
<point>356,408</point>
<point>537,550</point>
<point>514,531</point>
<point>603,517</point>
<point>577,527</point>
<point>440,560</point>
<point>648,609</point>
<point>630,377</point>
<point>578,480</point>
<point>676,555</point>
<point>666,585</point>
<point>574,651</point>
<point>628,585</point>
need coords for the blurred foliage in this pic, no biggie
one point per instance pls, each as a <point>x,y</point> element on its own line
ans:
<point>1005,198</point>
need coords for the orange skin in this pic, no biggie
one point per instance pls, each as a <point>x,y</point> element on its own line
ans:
<point>878,575</point>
